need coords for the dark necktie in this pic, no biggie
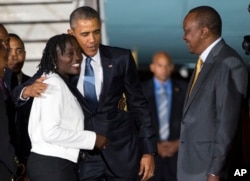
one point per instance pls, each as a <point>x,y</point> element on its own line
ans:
<point>89,85</point>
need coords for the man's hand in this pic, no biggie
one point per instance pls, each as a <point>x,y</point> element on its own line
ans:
<point>147,167</point>
<point>101,142</point>
<point>213,178</point>
<point>167,148</point>
<point>35,89</point>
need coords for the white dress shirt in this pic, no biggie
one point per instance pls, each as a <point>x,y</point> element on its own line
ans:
<point>97,67</point>
<point>56,124</point>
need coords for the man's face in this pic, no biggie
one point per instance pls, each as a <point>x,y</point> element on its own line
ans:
<point>162,67</point>
<point>88,35</point>
<point>192,34</point>
<point>16,55</point>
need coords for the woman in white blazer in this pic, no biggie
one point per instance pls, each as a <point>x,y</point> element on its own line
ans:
<point>56,124</point>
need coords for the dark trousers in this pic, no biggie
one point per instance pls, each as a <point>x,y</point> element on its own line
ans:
<point>47,168</point>
<point>5,174</point>
<point>94,168</point>
<point>165,169</point>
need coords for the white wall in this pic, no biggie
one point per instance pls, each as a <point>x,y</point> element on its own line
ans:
<point>36,23</point>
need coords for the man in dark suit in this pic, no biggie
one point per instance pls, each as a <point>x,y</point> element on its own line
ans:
<point>8,80</point>
<point>16,59</point>
<point>214,103</point>
<point>162,68</point>
<point>7,152</point>
<point>9,163</point>
<point>115,73</point>
<point>8,166</point>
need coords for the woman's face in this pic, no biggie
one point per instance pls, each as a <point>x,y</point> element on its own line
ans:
<point>69,62</point>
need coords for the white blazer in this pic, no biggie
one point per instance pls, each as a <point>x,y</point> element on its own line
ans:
<point>56,123</point>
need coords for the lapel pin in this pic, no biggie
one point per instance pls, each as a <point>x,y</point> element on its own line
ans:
<point>176,89</point>
<point>110,66</point>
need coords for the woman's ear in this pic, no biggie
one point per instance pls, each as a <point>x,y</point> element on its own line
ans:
<point>70,31</point>
<point>54,64</point>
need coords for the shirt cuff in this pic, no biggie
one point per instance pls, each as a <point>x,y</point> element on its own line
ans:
<point>212,174</point>
<point>20,97</point>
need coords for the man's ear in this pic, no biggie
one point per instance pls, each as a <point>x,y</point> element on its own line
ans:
<point>151,67</point>
<point>205,32</point>
<point>70,31</point>
<point>172,68</point>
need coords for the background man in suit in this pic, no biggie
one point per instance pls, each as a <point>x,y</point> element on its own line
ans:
<point>115,73</point>
<point>16,61</point>
<point>8,167</point>
<point>162,68</point>
<point>16,57</point>
<point>7,152</point>
<point>8,161</point>
<point>212,108</point>
<point>8,80</point>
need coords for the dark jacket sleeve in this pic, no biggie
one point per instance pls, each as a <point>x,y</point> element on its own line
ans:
<point>15,94</point>
<point>7,152</point>
<point>138,107</point>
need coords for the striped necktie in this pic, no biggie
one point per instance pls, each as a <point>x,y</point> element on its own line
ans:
<point>89,85</point>
<point>163,114</point>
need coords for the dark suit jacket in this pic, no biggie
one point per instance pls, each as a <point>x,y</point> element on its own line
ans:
<point>18,118</point>
<point>179,89</point>
<point>10,81</point>
<point>211,114</point>
<point>7,152</point>
<point>123,129</point>
<point>23,144</point>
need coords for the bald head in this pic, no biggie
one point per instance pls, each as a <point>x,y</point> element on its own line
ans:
<point>162,66</point>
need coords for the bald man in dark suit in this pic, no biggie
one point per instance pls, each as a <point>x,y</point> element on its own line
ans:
<point>162,68</point>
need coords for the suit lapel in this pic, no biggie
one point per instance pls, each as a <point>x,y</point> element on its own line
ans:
<point>204,72</point>
<point>205,69</point>
<point>10,79</point>
<point>149,92</point>
<point>152,97</point>
<point>73,87</point>
<point>107,67</point>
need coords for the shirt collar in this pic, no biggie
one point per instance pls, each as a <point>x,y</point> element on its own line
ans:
<point>96,58</point>
<point>167,84</point>
<point>205,53</point>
